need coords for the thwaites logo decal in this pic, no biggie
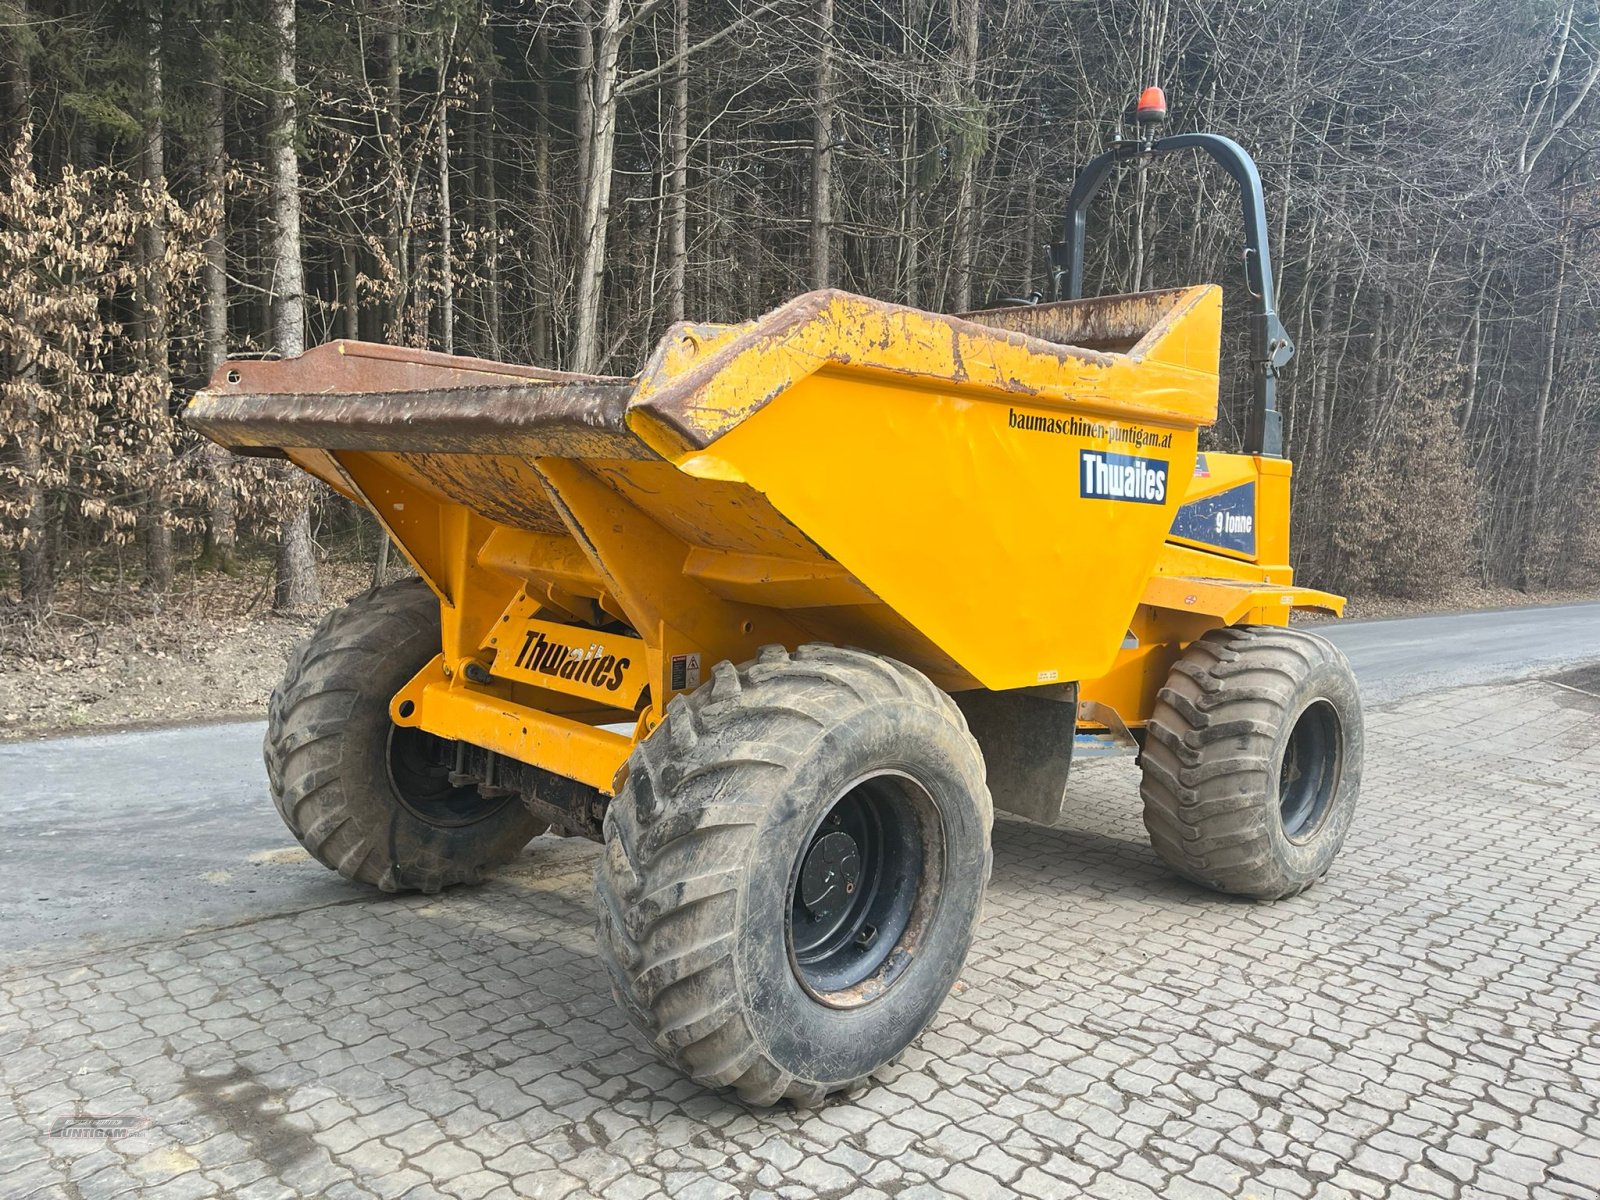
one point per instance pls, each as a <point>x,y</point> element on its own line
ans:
<point>1226,520</point>
<point>1103,475</point>
<point>605,667</point>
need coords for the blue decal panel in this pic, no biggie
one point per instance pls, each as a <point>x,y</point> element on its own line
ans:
<point>1103,475</point>
<point>1226,520</point>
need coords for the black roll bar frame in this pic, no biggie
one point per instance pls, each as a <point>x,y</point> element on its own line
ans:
<point>1271,348</point>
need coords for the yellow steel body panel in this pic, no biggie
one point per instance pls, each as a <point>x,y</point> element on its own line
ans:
<point>698,387</point>
<point>931,498</point>
<point>489,716</point>
<point>990,499</point>
<point>1194,587</point>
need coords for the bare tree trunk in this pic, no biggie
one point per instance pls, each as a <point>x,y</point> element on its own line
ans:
<point>380,569</point>
<point>1321,379</point>
<point>964,15</point>
<point>487,166</point>
<point>396,246</point>
<point>219,550</point>
<point>1141,187</point>
<point>583,140</point>
<point>1030,207</point>
<point>822,152</point>
<point>910,216</point>
<point>1551,95</point>
<point>296,586</point>
<point>913,15</point>
<point>35,571</point>
<point>155,514</point>
<point>595,215</point>
<point>542,333</point>
<point>350,296</point>
<point>678,235</point>
<point>1474,344</point>
<point>447,283</point>
<point>1541,411</point>
<point>583,118</point>
<point>288,271</point>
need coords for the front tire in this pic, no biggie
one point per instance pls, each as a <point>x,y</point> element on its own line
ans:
<point>365,797</point>
<point>794,869</point>
<point>1252,761</point>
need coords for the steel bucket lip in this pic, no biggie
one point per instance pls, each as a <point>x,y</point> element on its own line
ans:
<point>585,420</point>
<point>365,396</point>
<point>699,383</point>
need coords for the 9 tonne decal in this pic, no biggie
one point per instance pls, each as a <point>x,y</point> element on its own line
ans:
<point>1226,520</point>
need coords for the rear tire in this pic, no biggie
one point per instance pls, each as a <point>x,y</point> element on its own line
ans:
<point>794,869</point>
<point>366,797</point>
<point>1252,761</point>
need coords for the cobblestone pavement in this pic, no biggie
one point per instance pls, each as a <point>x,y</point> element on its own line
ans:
<point>1426,1022</point>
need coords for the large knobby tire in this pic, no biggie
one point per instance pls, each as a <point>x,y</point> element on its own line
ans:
<point>1252,761</point>
<point>365,797</point>
<point>794,869</point>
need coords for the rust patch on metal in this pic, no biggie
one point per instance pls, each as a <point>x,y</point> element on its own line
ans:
<point>574,420</point>
<point>1108,324</point>
<point>701,382</point>
<point>925,905</point>
<point>502,487</point>
<point>869,335</point>
<point>359,396</point>
<point>350,367</point>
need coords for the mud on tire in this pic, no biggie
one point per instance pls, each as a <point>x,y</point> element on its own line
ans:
<point>1252,761</point>
<point>774,806</point>
<point>362,796</point>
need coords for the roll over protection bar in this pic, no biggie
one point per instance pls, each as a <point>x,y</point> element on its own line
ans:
<point>1270,345</point>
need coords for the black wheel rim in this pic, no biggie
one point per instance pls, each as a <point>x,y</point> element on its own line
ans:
<point>862,888</point>
<point>1309,775</point>
<point>419,766</point>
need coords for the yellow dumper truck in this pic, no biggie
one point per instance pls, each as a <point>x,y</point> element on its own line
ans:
<point>782,618</point>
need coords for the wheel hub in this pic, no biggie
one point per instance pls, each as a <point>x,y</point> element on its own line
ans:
<point>419,766</point>
<point>854,888</point>
<point>1309,774</point>
<point>829,876</point>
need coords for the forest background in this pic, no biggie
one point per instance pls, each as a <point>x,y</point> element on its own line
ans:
<point>553,183</point>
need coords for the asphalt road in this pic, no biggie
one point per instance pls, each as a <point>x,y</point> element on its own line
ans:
<point>118,838</point>
<point>1406,656</point>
